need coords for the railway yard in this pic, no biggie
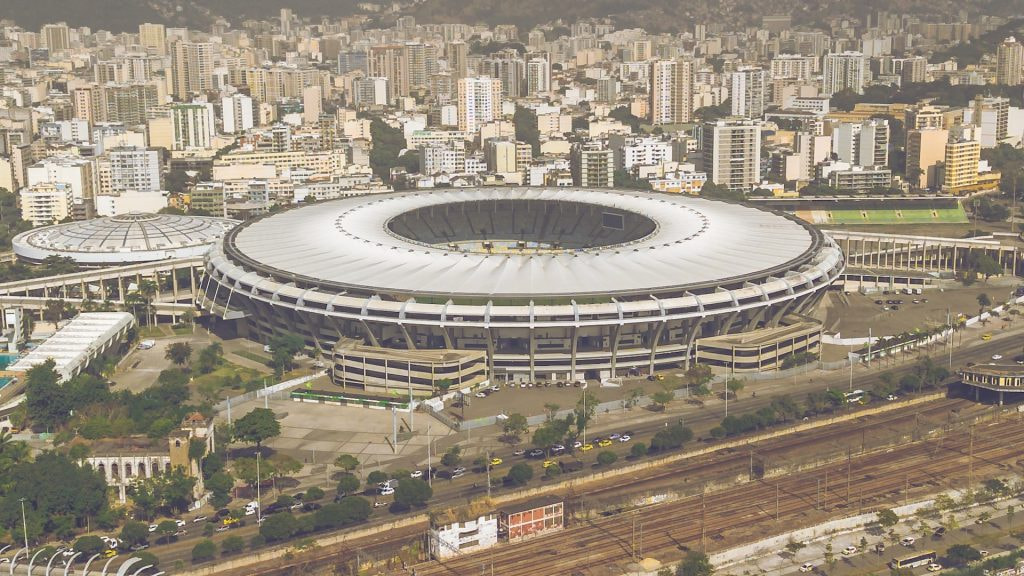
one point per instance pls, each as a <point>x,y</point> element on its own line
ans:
<point>723,498</point>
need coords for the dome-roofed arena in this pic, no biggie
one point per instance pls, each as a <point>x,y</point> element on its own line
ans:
<point>123,239</point>
<point>544,281</point>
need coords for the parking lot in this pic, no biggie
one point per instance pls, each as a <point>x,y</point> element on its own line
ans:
<point>853,314</point>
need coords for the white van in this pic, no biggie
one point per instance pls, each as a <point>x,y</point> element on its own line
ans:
<point>147,344</point>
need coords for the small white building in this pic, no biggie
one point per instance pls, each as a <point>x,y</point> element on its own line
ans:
<point>456,538</point>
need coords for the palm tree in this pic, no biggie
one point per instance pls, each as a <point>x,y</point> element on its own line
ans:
<point>148,289</point>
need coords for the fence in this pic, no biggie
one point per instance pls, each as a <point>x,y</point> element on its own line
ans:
<point>276,392</point>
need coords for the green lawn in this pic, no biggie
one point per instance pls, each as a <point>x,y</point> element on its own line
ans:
<point>222,382</point>
<point>253,356</point>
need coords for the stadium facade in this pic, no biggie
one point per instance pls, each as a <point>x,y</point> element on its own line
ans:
<point>527,283</point>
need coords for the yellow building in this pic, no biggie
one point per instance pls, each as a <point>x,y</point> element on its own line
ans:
<point>961,171</point>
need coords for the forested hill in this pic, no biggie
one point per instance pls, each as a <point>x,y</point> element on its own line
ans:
<point>654,15</point>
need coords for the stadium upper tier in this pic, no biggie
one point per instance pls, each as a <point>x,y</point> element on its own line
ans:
<point>542,243</point>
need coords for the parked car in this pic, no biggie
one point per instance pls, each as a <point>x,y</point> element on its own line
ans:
<point>934,567</point>
<point>807,567</point>
<point>908,541</point>
<point>849,550</point>
<point>535,453</point>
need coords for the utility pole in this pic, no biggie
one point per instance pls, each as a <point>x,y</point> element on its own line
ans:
<point>703,527</point>
<point>970,463</point>
<point>430,470</point>
<point>825,492</point>
<point>776,501</point>
<point>24,528</point>
<point>849,474</point>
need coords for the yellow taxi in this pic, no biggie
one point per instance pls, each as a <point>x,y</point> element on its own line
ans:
<point>549,463</point>
<point>586,447</point>
<point>986,336</point>
<point>496,461</point>
<point>109,553</point>
<point>604,443</point>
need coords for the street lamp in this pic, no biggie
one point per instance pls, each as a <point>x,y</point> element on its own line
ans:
<point>24,523</point>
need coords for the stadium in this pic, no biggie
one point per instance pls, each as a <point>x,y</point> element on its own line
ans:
<point>123,239</point>
<point>402,289</point>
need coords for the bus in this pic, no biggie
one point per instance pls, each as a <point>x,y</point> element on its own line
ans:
<point>853,397</point>
<point>913,561</point>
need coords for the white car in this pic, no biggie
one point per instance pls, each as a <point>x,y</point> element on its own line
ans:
<point>933,567</point>
<point>807,567</point>
<point>152,527</point>
<point>849,550</point>
<point>480,395</point>
<point>556,448</point>
<point>416,474</point>
<point>386,491</point>
<point>994,357</point>
<point>908,541</point>
<point>577,444</point>
<point>180,523</point>
<point>625,438</point>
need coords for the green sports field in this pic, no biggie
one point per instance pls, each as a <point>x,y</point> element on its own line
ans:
<point>912,216</point>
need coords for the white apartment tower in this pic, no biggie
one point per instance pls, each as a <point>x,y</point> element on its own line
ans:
<point>844,70</point>
<point>732,153</point>
<point>236,111</point>
<point>479,101</point>
<point>748,93</point>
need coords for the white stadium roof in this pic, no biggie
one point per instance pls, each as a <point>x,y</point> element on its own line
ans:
<point>696,242</point>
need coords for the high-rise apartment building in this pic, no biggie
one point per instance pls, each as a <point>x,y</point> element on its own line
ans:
<point>153,37</point>
<point>369,91</point>
<point>56,37</point>
<point>749,92</point>
<point>592,166</point>
<point>732,153</point>
<point>1009,61</point>
<point>961,165</point>
<point>46,203</point>
<point>538,76</point>
<point>862,144</point>
<point>236,113</point>
<point>793,66</point>
<point>193,126</point>
<point>134,168</point>
<point>458,59</point>
<point>926,149</point>
<point>671,91</point>
<point>479,101</point>
<point>390,62</point>
<point>191,68</point>
<point>78,173</point>
<point>992,116</point>
<point>844,71</point>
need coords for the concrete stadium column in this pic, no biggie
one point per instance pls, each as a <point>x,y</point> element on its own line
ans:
<point>690,336</point>
<point>533,353</point>
<point>879,255</point>
<point>174,283</point>
<point>572,353</point>
<point>616,338</point>
<point>120,287</point>
<point>658,328</point>
<point>954,259</point>
<point>910,255</point>
<point>490,349</point>
<point>82,287</point>
<point>447,338</point>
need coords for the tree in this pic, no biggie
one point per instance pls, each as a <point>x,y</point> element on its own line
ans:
<point>89,545</point>
<point>887,518</point>
<point>257,426</point>
<point>315,493</point>
<point>210,358</point>
<point>514,426</point>
<point>166,529</point>
<point>961,555</point>
<point>714,191</point>
<point>694,564</point>
<point>412,492</point>
<point>983,302</point>
<point>735,386</point>
<point>232,545</point>
<point>45,399</point>
<point>279,527</point>
<point>638,450</point>
<point>283,348</point>
<point>987,266</point>
<point>452,457</point>
<point>519,474</point>
<point>607,457</point>
<point>346,462</point>
<point>348,484</point>
<point>206,549</point>
<point>585,409</point>
<point>525,122</point>
<point>661,398</point>
<point>178,353</point>
<point>134,533</point>
<point>671,438</point>
<point>54,311</point>
<point>376,477</point>
<point>1010,510</point>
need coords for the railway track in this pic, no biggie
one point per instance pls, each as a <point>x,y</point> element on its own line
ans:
<point>748,512</point>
